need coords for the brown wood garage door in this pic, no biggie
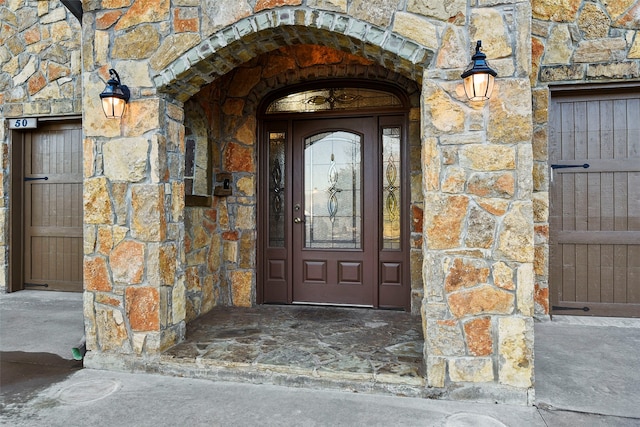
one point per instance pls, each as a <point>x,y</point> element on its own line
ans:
<point>594,151</point>
<point>52,208</point>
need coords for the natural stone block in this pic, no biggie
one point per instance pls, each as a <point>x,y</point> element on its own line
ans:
<point>443,11</point>
<point>634,52</point>
<point>503,276</point>
<point>143,308</point>
<point>178,301</point>
<point>465,274</point>
<point>105,240</point>
<point>244,79</point>
<point>599,50</point>
<point>96,202</point>
<point>239,158</point>
<point>480,300</point>
<point>192,279</point>
<point>443,113</point>
<point>562,73</point>
<point>454,180</point>
<point>96,274</point>
<point>488,25</point>
<point>436,371</point>
<point>111,331</point>
<point>510,112</point>
<point>158,159</point>
<point>488,158</point>
<point>593,22</point>
<point>492,185</point>
<point>444,220</point>
<point>540,207</point>
<point>452,52</point>
<point>335,5</point>
<point>141,116</point>
<point>127,262</point>
<point>432,164</point>
<point>230,251</point>
<point>88,157</point>
<point>481,228</point>
<point>125,159</point>
<point>148,218</point>
<point>559,46</point>
<point>515,240</point>
<point>139,43</point>
<point>556,10</point>
<point>241,288</point>
<point>173,46</point>
<point>214,256</point>
<point>525,290</point>
<point>144,11</point>
<point>515,346</point>
<point>444,338</point>
<point>416,28</point>
<point>168,259</point>
<point>614,70</point>
<point>541,298</point>
<point>497,207</point>
<point>479,337</point>
<point>475,370</point>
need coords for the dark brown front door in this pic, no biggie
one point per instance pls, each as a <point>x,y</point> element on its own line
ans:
<point>334,232</point>
<point>334,196</point>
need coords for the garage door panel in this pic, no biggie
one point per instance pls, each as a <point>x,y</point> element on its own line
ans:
<point>595,210</point>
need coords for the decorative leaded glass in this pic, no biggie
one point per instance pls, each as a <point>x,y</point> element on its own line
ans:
<point>277,142</point>
<point>333,99</point>
<point>333,190</point>
<point>391,195</point>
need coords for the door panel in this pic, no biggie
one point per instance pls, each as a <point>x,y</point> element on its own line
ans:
<point>334,239</point>
<point>595,204</point>
<point>53,247</point>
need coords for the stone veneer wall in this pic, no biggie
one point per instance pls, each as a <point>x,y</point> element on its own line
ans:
<point>479,240</point>
<point>39,76</point>
<point>476,166</point>
<point>573,42</point>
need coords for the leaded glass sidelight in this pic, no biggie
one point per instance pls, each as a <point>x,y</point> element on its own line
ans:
<point>333,190</point>
<point>276,188</point>
<point>391,194</point>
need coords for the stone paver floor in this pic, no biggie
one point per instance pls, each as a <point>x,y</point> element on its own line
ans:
<point>334,343</point>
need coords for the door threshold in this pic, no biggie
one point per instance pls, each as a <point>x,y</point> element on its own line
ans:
<point>331,304</point>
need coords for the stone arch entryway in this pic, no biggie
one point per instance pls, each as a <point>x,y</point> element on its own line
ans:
<point>221,123</point>
<point>474,176</point>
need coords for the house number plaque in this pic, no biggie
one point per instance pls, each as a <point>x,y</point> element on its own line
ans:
<point>23,123</point>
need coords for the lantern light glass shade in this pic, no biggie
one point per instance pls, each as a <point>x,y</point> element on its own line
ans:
<point>114,96</point>
<point>478,77</point>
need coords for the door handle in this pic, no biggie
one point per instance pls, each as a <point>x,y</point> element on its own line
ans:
<point>297,220</point>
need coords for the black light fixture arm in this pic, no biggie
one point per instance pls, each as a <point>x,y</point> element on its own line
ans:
<point>479,63</point>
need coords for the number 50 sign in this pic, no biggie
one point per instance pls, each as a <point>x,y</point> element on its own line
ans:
<point>23,123</point>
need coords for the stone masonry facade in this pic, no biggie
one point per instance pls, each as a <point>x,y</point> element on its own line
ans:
<point>198,70</point>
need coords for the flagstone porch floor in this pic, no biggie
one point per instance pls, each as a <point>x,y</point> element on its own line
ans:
<point>355,349</point>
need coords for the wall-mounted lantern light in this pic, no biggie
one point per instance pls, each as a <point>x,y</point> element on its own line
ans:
<point>478,77</point>
<point>114,97</point>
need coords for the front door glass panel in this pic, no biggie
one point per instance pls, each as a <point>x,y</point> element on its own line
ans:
<point>333,190</point>
<point>391,190</point>
<point>277,197</point>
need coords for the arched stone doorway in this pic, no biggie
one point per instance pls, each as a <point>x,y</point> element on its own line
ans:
<point>221,123</point>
